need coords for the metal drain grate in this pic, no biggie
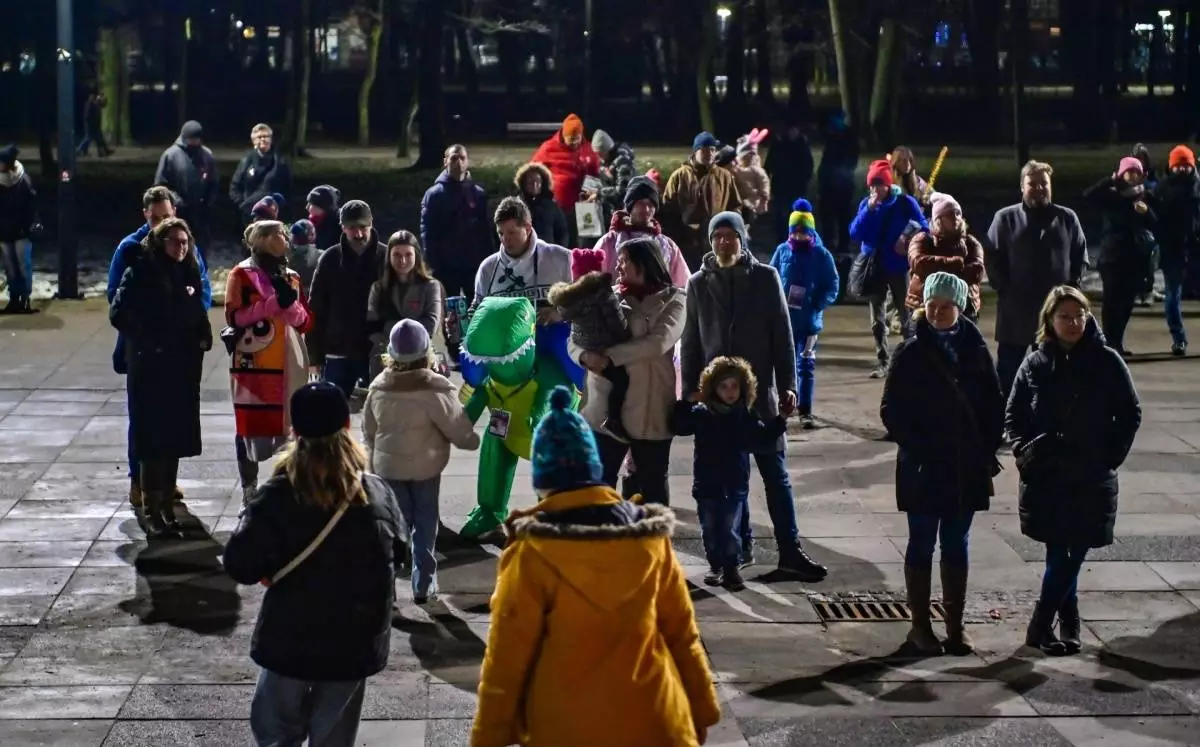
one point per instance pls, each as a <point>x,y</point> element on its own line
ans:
<point>871,611</point>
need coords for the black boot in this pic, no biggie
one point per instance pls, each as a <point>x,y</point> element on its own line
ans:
<point>150,517</point>
<point>1040,634</point>
<point>796,560</point>
<point>1069,625</point>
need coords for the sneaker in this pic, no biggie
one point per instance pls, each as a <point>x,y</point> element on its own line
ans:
<point>746,561</point>
<point>880,370</point>
<point>733,580</point>
<point>798,562</point>
<point>247,493</point>
<point>1159,297</point>
<point>714,577</point>
<point>1179,349</point>
<point>421,601</point>
<point>807,422</point>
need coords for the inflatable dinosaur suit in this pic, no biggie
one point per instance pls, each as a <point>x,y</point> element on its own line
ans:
<point>516,391</point>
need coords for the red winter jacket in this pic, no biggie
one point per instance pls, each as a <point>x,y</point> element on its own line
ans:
<point>568,167</point>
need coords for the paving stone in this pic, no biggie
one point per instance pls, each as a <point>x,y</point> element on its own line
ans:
<point>833,731</point>
<point>1128,731</point>
<point>450,701</point>
<point>32,581</point>
<point>31,407</point>
<point>42,554</point>
<point>404,697</point>
<point>171,702</point>
<point>807,697</point>
<point>1118,576</point>
<point>54,733</point>
<point>88,701</point>
<point>1179,575</point>
<point>964,732</point>
<point>24,609</point>
<point>29,530</point>
<point>1148,605</point>
<point>1072,697</point>
<point>180,734</point>
<point>80,508</point>
<point>443,732</point>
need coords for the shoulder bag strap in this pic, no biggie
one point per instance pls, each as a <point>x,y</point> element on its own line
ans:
<point>312,547</point>
<point>958,392</point>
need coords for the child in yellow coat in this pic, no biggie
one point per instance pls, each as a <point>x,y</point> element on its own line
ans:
<point>593,640</point>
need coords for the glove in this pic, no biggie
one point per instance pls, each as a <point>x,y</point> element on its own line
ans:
<point>284,292</point>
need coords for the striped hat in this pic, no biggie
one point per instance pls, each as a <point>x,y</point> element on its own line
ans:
<point>803,220</point>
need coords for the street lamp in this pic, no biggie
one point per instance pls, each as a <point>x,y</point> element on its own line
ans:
<point>724,13</point>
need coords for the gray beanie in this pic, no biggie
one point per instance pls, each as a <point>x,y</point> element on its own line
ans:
<point>355,213</point>
<point>602,141</point>
<point>730,219</point>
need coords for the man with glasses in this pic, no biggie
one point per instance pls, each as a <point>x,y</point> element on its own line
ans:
<point>261,172</point>
<point>158,204</point>
<point>1031,247</point>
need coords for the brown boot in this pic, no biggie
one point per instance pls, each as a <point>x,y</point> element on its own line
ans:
<point>150,517</point>
<point>954,600</point>
<point>177,496</point>
<point>921,637</point>
<point>135,495</point>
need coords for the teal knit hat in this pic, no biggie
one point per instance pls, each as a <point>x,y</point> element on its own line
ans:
<point>564,455</point>
<point>946,286</point>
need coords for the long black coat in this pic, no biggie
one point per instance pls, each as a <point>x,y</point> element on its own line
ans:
<point>1085,401</point>
<point>549,221</point>
<point>159,308</point>
<point>944,464</point>
<point>1178,230</point>
<point>1128,235</point>
<point>331,618</point>
<point>257,176</point>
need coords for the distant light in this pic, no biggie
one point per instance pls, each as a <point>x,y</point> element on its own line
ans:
<point>187,29</point>
<point>238,24</point>
<point>6,68</point>
<point>1164,14</point>
<point>1143,27</point>
<point>724,13</point>
<point>273,32</point>
<point>248,32</point>
<point>1055,31</point>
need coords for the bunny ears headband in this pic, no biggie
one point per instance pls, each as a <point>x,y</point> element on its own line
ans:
<point>749,142</point>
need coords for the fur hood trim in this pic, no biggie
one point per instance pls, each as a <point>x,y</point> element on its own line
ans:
<point>655,521</point>
<point>586,288</point>
<point>423,380</point>
<point>13,176</point>
<point>722,368</point>
<point>541,168</point>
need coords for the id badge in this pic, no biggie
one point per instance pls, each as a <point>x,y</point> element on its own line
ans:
<point>796,295</point>
<point>498,424</point>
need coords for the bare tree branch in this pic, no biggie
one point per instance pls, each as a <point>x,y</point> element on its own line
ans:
<point>495,26</point>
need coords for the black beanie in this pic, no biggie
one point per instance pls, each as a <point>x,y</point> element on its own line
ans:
<point>355,213</point>
<point>641,188</point>
<point>325,197</point>
<point>319,410</point>
<point>8,155</point>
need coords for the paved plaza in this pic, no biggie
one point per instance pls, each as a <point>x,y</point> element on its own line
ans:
<point>106,640</point>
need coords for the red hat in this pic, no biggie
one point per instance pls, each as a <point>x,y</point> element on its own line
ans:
<point>584,261</point>
<point>879,171</point>
<point>1181,155</point>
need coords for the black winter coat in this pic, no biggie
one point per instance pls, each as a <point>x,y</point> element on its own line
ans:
<point>191,174</point>
<point>1128,235</point>
<point>724,442</point>
<point>341,288</point>
<point>1178,230</point>
<point>947,433</point>
<point>18,204</point>
<point>331,617</point>
<point>159,309</point>
<point>549,221</point>
<point>1085,404</point>
<point>257,176</point>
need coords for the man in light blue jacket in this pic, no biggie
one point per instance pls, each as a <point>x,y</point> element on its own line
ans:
<point>158,204</point>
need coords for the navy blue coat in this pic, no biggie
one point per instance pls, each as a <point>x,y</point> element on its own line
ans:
<point>456,229</point>
<point>724,442</point>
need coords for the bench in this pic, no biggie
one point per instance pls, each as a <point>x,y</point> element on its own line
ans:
<point>533,128</point>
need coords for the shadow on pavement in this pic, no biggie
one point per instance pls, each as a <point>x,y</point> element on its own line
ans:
<point>187,585</point>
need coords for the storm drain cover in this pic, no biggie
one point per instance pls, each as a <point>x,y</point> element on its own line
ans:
<point>876,611</point>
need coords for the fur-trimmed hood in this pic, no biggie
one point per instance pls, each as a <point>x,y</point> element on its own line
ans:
<point>592,286</point>
<point>12,176</point>
<point>547,178</point>
<point>721,368</point>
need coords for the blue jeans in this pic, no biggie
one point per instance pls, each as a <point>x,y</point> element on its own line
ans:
<point>720,510</point>
<point>806,372</point>
<point>18,267</point>
<point>418,500</point>
<point>286,711</point>
<point>1060,582</point>
<point>780,506</point>
<point>1172,304</point>
<point>345,373</point>
<point>924,531</point>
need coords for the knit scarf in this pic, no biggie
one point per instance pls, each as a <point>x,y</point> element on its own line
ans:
<point>945,339</point>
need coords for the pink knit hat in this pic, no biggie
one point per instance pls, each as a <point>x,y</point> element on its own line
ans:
<point>943,203</point>
<point>1129,163</point>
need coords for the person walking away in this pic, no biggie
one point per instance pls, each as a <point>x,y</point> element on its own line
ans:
<point>641,204</point>
<point>810,285</point>
<point>322,205</point>
<point>410,418</point>
<point>157,206</point>
<point>790,166</point>
<point>325,536</point>
<point>754,186</point>
<point>882,219</point>
<point>305,253</point>
<point>159,309</point>
<point>946,247</point>
<point>189,170</point>
<point>1128,244</point>
<point>1072,419</point>
<point>695,192</point>
<point>726,431</point>
<point>261,172</point>
<point>572,686</point>
<point>618,167</point>
<point>1178,232</point>
<point>1032,247</point>
<point>570,159</point>
<point>654,310</point>
<point>905,176</point>
<point>405,290</point>
<point>598,323</point>
<point>19,226</point>
<point>835,182</point>
<point>93,130</point>
<point>941,403</point>
<point>267,317</point>
<point>736,308</point>
<point>535,187</point>
<point>339,342</point>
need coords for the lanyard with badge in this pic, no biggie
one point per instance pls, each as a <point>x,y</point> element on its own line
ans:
<point>498,423</point>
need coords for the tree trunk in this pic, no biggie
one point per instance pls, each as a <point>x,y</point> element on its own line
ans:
<point>1180,41</point>
<point>466,61</point>
<point>762,54</point>
<point>654,69</point>
<point>374,41</point>
<point>432,20</point>
<point>181,99</point>
<point>540,43</point>
<point>837,31</point>
<point>985,18</point>
<point>735,59</point>
<point>300,142</point>
<point>45,85</point>
<point>1020,56</point>
<point>881,89</point>
<point>799,71</point>
<point>1193,68</point>
<point>108,74</point>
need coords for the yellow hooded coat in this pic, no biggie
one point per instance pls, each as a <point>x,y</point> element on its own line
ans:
<point>593,640</point>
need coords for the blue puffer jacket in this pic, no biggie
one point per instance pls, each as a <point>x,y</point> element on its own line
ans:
<point>881,228</point>
<point>811,268</point>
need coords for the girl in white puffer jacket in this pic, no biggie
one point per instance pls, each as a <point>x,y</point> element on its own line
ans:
<point>410,418</point>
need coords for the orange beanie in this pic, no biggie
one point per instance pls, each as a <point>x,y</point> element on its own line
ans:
<point>1181,155</point>
<point>572,126</point>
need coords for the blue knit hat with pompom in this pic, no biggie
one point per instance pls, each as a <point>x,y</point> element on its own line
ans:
<point>564,455</point>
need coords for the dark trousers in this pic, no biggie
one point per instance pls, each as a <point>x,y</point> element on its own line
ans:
<point>1121,289</point>
<point>159,475</point>
<point>720,510</point>
<point>781,506</point>
<point>924,530</point>
<point>1172,302</point>
<point>345,373</point>
<point>835,212</point>
<point>1060,582</point>
<point>134,466</point>
<point>619,378</point>
<point>247,467</point>
<point>1009,358</point>
<point>650,458</point>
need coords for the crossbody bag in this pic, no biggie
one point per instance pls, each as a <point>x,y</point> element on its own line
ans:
<point>312,546</point>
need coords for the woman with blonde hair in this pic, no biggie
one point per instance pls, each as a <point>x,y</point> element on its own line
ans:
<point>405,290</point>
<point>266,318</point>
<point>324,536</point>
<point>1072,417</point>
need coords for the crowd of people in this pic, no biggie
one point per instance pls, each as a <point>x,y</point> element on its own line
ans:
<point>324,316</point>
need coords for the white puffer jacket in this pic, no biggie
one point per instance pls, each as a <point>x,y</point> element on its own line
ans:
<point>410,419</point>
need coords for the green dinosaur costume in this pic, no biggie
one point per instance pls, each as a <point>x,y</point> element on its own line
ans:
<point>517,391</point>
